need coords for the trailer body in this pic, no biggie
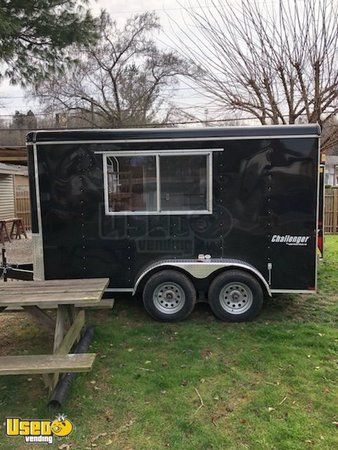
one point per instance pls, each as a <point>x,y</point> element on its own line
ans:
<point>124,203</point>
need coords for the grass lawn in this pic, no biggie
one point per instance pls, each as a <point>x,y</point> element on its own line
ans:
<point>199,384</point>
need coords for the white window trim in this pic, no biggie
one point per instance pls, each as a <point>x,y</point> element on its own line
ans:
<point>195,152</point>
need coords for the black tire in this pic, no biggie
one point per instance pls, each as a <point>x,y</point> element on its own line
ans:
<point>178,293</point>
<point>227,299</point>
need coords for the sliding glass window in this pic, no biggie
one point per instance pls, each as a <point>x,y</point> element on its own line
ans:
<point>183,183</point>
<point>131,183</point>
<point>158,183</point>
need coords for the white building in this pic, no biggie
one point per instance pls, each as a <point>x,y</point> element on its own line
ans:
<point>331,170</point>
<point>12,178</point>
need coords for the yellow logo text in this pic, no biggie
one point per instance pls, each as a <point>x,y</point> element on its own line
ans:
<point>38,430</point>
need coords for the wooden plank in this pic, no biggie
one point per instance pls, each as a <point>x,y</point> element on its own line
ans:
<point>13,158</point>
<point>46,291</point>
<point>22,204</point>
<point>60,325</point>
<point>331,210</point>
<point>72,334</point>
<point>335,211</point>
<point>18,290</point>
<point>106,303</point>
<point>71,313</point>
<point>100,283</point>
<point>25,365</point>
<point>61,317</point>
<point>35,286</point>
<point>61,299</point>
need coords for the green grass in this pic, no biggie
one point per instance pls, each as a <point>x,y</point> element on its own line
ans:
<point>268,384</point>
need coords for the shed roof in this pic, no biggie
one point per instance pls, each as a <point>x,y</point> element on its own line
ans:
<point>11,169</point>
<point>13,154</point>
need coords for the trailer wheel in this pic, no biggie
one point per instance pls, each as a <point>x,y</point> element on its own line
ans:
<point>169,296</point>
<point>235,296</point>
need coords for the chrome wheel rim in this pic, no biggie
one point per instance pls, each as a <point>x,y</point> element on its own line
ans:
<point>169,298</point>
<point>236,298</point>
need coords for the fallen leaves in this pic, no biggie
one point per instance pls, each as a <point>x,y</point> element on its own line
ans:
<point>147,370</point>
<point>206,353</point>
<point>201,401</point>
<point>100,435</point>
<point>280,403</point>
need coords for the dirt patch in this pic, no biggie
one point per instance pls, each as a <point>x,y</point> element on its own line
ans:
<point>19,251</point>
<point>19,333</point>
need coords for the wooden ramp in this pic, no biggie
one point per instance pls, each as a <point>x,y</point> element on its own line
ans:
<point>25,365</point>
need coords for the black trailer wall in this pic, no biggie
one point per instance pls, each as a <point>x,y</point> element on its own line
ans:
<point>262,188</point>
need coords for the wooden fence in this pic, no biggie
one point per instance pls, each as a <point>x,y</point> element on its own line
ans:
<point>22,205</point>
<point>331,210</point>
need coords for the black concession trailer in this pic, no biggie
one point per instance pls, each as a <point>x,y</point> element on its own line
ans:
<point>224,215</point>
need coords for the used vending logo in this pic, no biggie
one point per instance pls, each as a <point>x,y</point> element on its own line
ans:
<point>290,240</point>
<point>35,431</point>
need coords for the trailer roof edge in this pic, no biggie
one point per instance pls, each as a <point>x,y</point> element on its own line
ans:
<point>131,134</point>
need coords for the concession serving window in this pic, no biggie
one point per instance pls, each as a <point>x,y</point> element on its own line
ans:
<point>144,182</point>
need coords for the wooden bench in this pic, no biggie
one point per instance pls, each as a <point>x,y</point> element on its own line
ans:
<point>105,303</point>
<point>67,295</point>
<point>17,229</point>
<point>27,365</point>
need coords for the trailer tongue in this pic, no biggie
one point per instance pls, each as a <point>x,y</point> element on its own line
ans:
<point>14,271</point>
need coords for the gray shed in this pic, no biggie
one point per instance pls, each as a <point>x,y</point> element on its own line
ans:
<point>7,188</point>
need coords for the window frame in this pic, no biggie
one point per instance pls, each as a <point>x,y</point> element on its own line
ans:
<point>157,153</point>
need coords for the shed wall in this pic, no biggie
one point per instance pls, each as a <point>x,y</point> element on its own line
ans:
<point>7,208</point>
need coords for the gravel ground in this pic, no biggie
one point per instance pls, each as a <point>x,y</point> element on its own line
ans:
<point>19,251</point>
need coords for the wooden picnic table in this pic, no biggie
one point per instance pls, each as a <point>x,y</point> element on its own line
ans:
<point>70,298</point>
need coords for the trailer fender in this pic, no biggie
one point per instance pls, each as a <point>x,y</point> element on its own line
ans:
<point>201,269</point>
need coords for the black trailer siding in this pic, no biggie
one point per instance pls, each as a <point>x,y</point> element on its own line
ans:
<point>294,191</point>
<point>32,189</point>
<point>261,188</point>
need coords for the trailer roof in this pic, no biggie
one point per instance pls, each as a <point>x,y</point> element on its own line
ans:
<point>130,134</point>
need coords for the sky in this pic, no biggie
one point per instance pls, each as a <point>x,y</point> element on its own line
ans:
<point>13,98</point>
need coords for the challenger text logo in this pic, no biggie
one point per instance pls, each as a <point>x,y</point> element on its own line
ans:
<point>290,240</point>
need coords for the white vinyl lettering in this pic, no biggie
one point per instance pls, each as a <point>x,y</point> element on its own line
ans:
<point>290,240</point>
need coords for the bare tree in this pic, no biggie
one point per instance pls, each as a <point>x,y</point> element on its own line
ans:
<point>329,137</point>
<point>275,61</point>
<point>119,81</point>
